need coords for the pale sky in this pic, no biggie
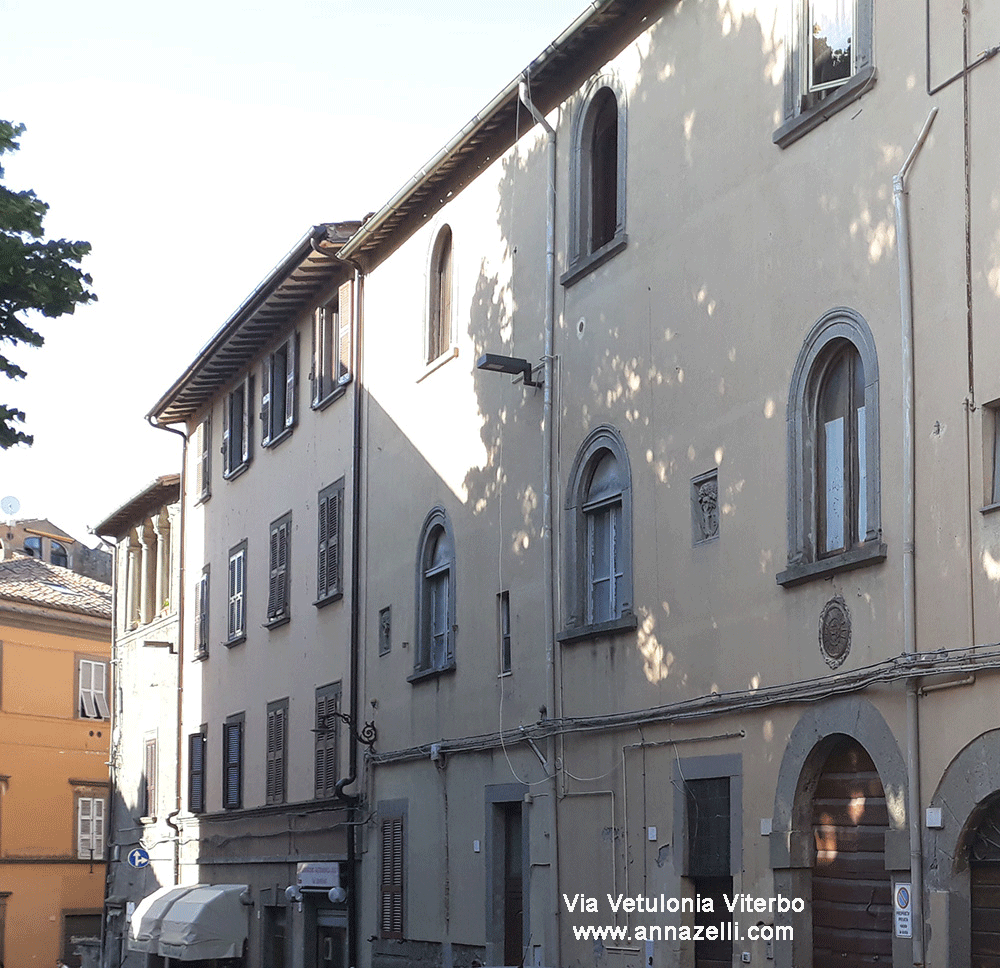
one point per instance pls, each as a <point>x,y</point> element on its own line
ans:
<point>192,146</point>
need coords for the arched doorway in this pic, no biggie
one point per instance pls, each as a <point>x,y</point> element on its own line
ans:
<point>851,889</point>
<point>984,883</point>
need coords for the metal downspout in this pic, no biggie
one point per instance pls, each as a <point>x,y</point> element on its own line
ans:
<point>171,817</point>
<point>550,572</point>
<point>909,583</point>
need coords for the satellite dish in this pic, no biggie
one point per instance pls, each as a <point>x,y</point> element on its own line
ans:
<point>10,505</point>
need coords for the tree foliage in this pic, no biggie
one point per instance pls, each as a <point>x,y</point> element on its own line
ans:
<point>36,275</point>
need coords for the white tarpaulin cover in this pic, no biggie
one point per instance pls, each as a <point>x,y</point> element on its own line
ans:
<point>192,923</point>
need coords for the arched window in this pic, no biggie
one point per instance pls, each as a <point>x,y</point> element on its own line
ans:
<point>597,201</point>
<point>440,297</point>
<point>598,517</point>
<point>435,651</point>
<point>834,516</point>
<point>33,546</point>
<point>58,555</point>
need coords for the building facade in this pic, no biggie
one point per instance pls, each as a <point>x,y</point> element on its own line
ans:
<point>670,453</point>
<point>145,789</point>
<point>55,688</point>
<point>40,538</point>
<point>267,411</point>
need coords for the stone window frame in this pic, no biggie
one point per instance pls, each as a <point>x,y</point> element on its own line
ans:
<point>804,112</point>
<point>583,258</point>
<point>436,522</point>
<point>804,564</point>
<point>602,440</point>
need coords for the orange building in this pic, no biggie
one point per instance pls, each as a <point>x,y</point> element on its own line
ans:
<point>55,698</point>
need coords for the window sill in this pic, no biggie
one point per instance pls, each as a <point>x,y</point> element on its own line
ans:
<point>278,621</point>
<point>438,362</point>
<point>200,655</point>
<point>989,509</point>
<point>625,623</point>
<point>795,128</point>
<point>236,471</point>
<point>869,554</point>
<point>328,600</point>
<point>431,673</point>
<point>277,438</point>
<point>238,640</point>
<point>586,264</point>
<point>148,820</point>
<point>202,498</point>
<point>334,394</point>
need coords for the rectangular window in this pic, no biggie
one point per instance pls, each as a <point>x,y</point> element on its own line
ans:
<point>277,399</point>
<point>503,629</point>
<point>149,777</point>
<point>279,544</point>
<point>232,762</point>
<point>277,731</point>
<point>201,600</point>
<point>197,748</point>
<point>831,27</point>
<point>332,346</point>
<point>236,630</point>
<point>393,871</point>
<point>92,700</point>
<point>328,570</point>
<point>203,460</point>
<point>236,436</point>
<point>991,431</point>
<point>327,731</point>
<point>89,827</point>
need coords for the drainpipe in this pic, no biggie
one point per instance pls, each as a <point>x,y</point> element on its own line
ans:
<point>171,817</point>
<point>550,573</point>
<point>909,500</point>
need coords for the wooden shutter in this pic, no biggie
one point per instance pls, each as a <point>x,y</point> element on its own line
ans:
<point>232,794</point>
<point>98,826</point>
<point>276,754</point>
<point>322,557</point>
<point>227,421</point>
<point>149,807</point>
<point>88,709</point>
<point>277,595</point>
<point>316,373</point>
<point>328,552</point>
<point>392,878</point>
<point>201,615</point>
<point>247,410</point>
<point>84,826</point>
<point>327,731</point>
<point>199,467</point>
<point>265,399</point>
<point>345,331</point>
<point>291,354</point>
<point>196,772</point>
<point>234,590</point>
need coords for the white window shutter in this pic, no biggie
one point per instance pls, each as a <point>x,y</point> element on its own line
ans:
<point>265,399</point>
<point>247,410</point>
<point>290,375</point>
<point>345,319</point>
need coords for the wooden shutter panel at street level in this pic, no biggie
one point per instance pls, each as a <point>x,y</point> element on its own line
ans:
<point>391,922</point>
<point>345,331</point>
<point>851,889</point>
<point>196,772</point>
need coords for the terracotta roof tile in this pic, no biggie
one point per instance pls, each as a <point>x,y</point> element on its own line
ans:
<point>32,581</point>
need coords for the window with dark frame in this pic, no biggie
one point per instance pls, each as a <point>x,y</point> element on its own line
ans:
<point>392,877</point>
<point>232,762</point>
<point>58,555</point>
<point>236,626</point>
<point>149,777</point>
<point>439,315</point>
<point>92,701</point>
<point>279,544</point>
<point>278,391</point>
<point>197,751</point>
<point>277,733</point>
<point>327,732</point>
<point>604,170</point>
<point>503,629</point>
<point>328,557</point>
<point>201,613</point>
<point>332,345</point>
<point>237,440</point>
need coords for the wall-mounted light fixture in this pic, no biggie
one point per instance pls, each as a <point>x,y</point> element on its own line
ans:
<point>508,364</point>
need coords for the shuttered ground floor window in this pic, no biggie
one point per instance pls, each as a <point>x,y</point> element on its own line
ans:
<point>393,875</point>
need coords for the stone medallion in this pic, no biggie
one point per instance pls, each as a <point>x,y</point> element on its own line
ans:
<point>835,631</point>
